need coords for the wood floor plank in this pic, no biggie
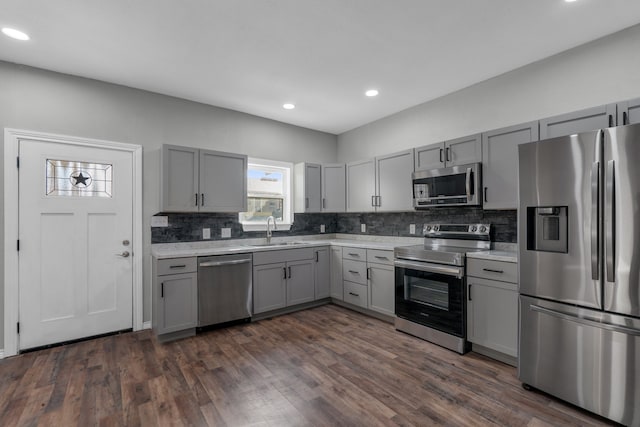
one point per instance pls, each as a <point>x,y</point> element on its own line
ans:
<point>327,366</point>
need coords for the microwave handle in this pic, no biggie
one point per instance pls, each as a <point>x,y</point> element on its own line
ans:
<point>468,184</point>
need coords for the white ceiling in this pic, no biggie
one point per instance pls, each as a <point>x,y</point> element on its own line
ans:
<point>255,55</point>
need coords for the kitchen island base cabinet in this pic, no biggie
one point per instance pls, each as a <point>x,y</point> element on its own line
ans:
<point>492,309</point>
<point>175,298</point>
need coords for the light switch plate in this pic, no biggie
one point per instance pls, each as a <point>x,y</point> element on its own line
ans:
<point>322,228</point>
<point>363,228</point>
<point>206,233</point>
<point>412,229</point>
<point>225,233</point>
<point>160,221</point>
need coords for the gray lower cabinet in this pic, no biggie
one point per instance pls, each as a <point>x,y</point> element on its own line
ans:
<point>269,287</point>
<point>335,262</point>
<point>175,295</point>
<point>322,273</point>
<point>578,121</point>
<point>492,307</point>
<point>500,164</point>
<point>283,278</point>
<point>368,279</point>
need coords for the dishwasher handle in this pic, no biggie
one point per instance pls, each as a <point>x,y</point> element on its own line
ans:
<point>223,263</point>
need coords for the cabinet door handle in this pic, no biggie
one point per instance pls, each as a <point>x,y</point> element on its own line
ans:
<point>306,202</point>
<point>316,256</point>
<point>469,295</point>
<point>285,272</point>
<point>178,266</point>
<point>324,204</point>
<point>447,156</point>
<point>485,194</point>
<point>610,120</point>
<point>162,290</point>
<point>352,254</point>
<point>379,201</point>
<point>289,272</point>
<point>373,203</point>
<point>368,273</point>
<point>490,270</point>
<point>353,272</point>
<point>355,295</point>
<point>196,199</point>
<point>441,161</point>
<point>202,201</point>
<point>625,120</point>
<point>381,257</point>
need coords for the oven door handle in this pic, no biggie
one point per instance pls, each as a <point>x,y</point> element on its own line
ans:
<point>431,268</point>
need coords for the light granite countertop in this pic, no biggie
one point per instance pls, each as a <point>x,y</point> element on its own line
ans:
<point>235,246</point>
<point>507,252</point>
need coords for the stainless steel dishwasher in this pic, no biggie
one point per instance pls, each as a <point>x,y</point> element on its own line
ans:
<point>224,288</point>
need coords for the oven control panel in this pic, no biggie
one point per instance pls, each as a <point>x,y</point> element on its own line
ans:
<point>473,231</point>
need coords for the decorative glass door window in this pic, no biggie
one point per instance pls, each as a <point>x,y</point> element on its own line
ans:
<point>73,178</point>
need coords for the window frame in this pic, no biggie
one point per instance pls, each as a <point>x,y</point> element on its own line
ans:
<point>287,212</point>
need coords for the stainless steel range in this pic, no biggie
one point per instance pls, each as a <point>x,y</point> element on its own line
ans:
<point>431,285</point>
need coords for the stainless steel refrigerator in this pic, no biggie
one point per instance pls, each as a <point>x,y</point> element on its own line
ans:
<point>579,270</point>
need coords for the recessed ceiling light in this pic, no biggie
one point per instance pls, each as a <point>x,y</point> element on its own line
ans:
<point>570,1</point>
<point>15,34</point>
<point>371,92</point>
<point>288,106</point>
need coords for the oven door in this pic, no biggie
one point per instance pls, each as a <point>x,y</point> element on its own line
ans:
<point>432,295</point>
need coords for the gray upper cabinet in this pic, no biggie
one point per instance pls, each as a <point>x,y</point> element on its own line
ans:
<point>459,151</point>
<point>381,184</point>
<point>394,189</point>
<point>203,181</point>
<point>361,186</point>
<point>307,187</point>
<point>500,164</point>
<point>578,121</point>
<point>629,112</point>
<point>180,190</point>
<point>334,188</point>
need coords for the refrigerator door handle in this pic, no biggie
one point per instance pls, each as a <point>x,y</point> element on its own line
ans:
<point>595,219</point>
<point>585,320</point>
<point>610,220</point>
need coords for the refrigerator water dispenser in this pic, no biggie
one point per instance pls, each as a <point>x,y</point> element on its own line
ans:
<point>547,229</point>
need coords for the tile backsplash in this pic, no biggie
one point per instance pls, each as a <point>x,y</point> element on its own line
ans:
<point>187,227</point>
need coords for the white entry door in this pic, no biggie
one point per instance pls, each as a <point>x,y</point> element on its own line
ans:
<point>75,231</point>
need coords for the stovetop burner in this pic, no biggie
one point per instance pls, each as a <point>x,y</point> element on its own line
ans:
<point>447,243</point>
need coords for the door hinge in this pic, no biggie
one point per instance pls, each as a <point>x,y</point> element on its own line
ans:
<point>18,245</point>
<point>18,326</point>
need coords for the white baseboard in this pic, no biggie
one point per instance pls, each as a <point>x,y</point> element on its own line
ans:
<point>146,325</point>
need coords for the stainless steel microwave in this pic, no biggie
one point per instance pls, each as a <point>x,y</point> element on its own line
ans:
<point>455,186</point>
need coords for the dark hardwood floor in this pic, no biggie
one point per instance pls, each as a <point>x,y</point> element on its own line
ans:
<point>323,366</point>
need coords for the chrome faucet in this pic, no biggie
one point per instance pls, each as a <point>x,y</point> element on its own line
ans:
<point>275,227</point>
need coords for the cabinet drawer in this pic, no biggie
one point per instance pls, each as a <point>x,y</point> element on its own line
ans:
<point>494,270</point>
<point>177,265</point>
<point>356,294</point>
<point>357,254</point>
<point>380,256</point>
<point>354,271</point>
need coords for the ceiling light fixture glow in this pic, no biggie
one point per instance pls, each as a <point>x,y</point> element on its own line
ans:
<point>288,106</point>
<point>371,92</point>
<point>570,1</point>
<point>15,34</point>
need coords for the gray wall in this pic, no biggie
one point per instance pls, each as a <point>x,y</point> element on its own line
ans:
<point>606,70</point>
<point>39,100</point>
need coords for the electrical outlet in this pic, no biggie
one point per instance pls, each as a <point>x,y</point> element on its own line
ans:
<point>206,233</point>
<point>225,233</point>
<point>322,228</point>
<point>412,229</point>
<point>160,221</point>
<point>363,228</point>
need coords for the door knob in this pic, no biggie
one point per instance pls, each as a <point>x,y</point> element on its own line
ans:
<point>124,254</point>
